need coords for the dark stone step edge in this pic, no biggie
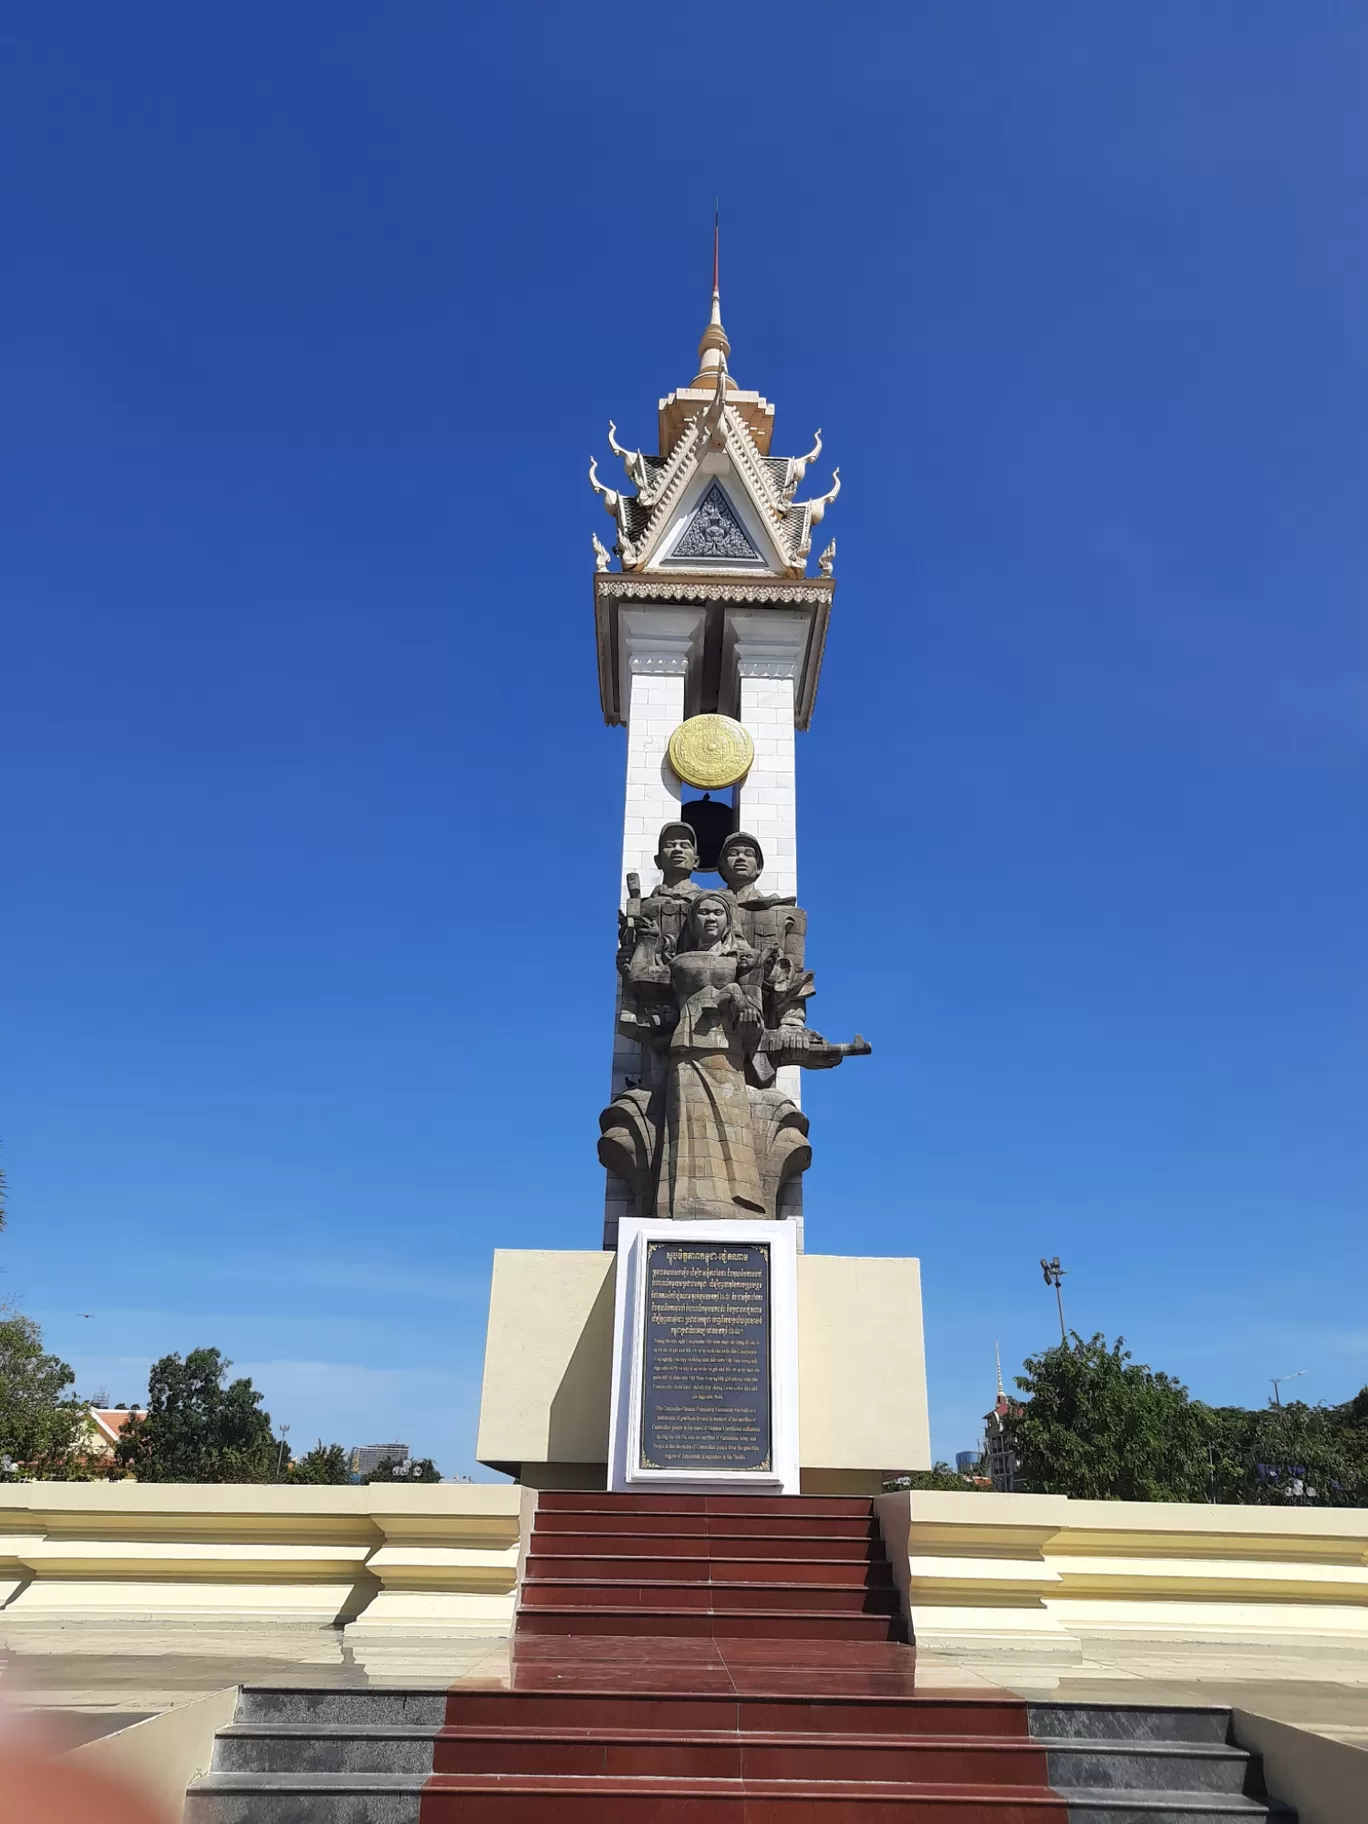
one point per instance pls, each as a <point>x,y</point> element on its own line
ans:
<point>252,1780</point>
<point>770,1738</point>
<point>1095,1799</point>
<point>1174,1804</point>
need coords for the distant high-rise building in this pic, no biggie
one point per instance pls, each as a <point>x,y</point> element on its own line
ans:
<point>367,1458</point>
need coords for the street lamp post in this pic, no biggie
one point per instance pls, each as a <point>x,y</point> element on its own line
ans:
<point>1278,1379</point>
<point>1054,1276</point>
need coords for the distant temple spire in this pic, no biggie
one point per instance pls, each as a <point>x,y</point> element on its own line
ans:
<point>999,1435</point>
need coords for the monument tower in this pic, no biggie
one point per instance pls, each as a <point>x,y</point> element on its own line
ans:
<point>701,1348</point>
<point>710,639</point>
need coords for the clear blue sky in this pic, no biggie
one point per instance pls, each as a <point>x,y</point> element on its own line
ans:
<point>312,316</point>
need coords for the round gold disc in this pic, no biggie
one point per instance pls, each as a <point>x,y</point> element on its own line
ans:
<point>711,751</point>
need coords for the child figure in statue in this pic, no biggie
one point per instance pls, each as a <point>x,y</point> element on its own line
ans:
<point>714,993</point>
<point>708,1167</point>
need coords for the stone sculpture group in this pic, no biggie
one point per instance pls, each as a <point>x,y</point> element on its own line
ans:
<point>714,990</point>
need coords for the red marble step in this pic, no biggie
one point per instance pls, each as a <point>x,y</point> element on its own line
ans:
<point>871,1572</point>
<point>893,1663</point>
<point>471,1798</point>
<point>758,1755</point>
<point>675,1545</point>
<point>711,1526</point>
<point>766,1506</point>
<point>628,1703</point>
<point>699,1593</point>
<point>767,1624</point>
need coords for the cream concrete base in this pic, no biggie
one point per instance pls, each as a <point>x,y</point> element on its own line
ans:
<point>983,1574</point>
<point>967,1633</point>
<point>1258,1624</point>
<point>107,1553</point>
<point>161,1755</point>
<point>419,1612</point>
<point>863,1482</point>
<point>544,1408</point>
<point>1055,1652</point>
<point>87,1599</point>
<point>1327,1781</point>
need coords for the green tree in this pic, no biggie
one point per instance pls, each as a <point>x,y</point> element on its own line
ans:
<point>326,1463</point>
<point>1293,1455</point>
<point>41,1425</point>
<point>416,1469</point>
<point>1098,1426</point>
<point>196,1429</point>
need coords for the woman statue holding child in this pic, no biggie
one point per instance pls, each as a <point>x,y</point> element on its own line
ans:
<point>708,1164</point>
<point>706,1131</point>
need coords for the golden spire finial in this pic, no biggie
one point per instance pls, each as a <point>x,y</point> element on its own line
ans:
<point>714,348</point>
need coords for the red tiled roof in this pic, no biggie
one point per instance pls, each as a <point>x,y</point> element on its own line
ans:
<point>111,1420</point>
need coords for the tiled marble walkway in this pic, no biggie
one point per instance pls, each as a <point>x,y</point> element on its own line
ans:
<point>99,1670</point>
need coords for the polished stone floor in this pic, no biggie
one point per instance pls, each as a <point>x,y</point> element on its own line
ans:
<point>103,1671</point>
<point>1321,1688</point>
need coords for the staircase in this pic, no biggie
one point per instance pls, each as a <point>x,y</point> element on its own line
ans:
<point>641,1754</point>
<point>716,1660</point>
<point>1150,1764</point>
<point>795,1567</point>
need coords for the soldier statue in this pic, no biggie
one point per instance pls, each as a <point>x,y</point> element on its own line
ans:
<point>714,989</point>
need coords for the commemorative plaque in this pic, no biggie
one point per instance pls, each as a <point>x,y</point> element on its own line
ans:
<point>705,1364</point>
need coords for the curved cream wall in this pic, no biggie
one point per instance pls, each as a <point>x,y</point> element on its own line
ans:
<point>976,1570</point>
<point>1042,1571</point>
<point>384,1556</point>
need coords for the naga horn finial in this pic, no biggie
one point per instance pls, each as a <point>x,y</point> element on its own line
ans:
<point>823,501</point>
<point>804,463</point>
<point>632,460</point>
<point>608,495</point>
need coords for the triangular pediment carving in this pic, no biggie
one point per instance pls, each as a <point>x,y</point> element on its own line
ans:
<point>714,534</point>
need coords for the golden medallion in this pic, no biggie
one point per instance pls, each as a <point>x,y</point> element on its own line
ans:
<point>711,751</point>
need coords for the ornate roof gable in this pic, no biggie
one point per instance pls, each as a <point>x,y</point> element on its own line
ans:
<point>716,499</point>
<point>714,535</point>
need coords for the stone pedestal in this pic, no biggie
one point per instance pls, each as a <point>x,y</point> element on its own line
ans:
<point>705,1358</point>
<point>546,1405</point>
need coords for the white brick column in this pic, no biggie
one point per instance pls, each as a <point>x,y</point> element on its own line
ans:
<point>768,799</point>
<point>768,651</point>
<point>653,697</point>
<point>656,648</point>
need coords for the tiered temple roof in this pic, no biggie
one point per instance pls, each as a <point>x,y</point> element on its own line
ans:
<point>713,499</point>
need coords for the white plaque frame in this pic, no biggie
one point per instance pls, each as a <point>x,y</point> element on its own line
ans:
<point>625,1472</point>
